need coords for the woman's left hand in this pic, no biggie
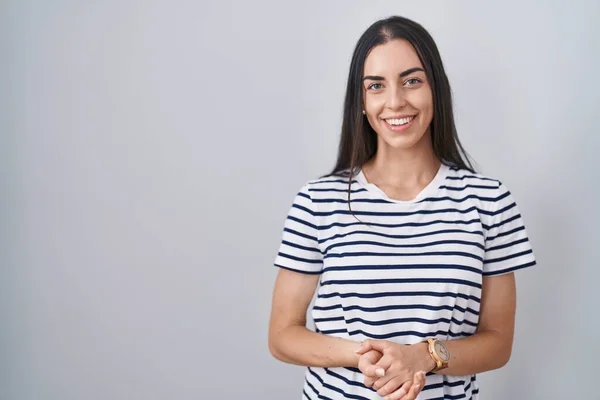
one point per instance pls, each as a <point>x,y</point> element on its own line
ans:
<point>400,362</point>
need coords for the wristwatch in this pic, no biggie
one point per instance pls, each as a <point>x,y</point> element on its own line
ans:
<point>440,354</point>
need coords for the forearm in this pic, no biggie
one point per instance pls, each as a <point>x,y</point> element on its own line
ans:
<point>298,345</point>
<point>484,351</point>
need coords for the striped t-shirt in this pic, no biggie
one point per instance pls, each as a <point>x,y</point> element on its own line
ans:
<point>411,270</point>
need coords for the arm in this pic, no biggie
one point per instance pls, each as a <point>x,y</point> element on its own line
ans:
<point>491,346</point>
<point>289,339</point>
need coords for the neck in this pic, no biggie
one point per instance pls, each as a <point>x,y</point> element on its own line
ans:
<point>402,167</point>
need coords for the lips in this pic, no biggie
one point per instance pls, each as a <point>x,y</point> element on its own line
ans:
<point>399,123</point>
<point>399,120</point>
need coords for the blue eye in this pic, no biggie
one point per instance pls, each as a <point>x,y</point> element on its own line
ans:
<point>374,86</point>
<point>413,81</point>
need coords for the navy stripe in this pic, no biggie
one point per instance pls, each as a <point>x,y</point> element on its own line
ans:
<point>401,214</point>
<point>460,178</point>
<point>427,253</point>
<point>500,211</point>
<point>409,280</point>
<point>428,199</point>
<point>338,190</point>
<point>313,388</point>
<point>396,307</point>
<point>455,397</point>
<point>300,247</point>
<point>346,380</point>
<point>306,394</point>
<point>301,221</point>
<point>299,270</point>
<point>341,235</point>
<point>406,224</point>
<point>307,210</point>
<point>508,257</point>
<point>507,270</point>
<point>468,186</point>
<point>409,245</point>
<point>445,383</point>
<point>401,267</point>
<point>333,331</point>
<point>384,336</point>
<point>340,318</point>
<point>397,294</point>
<point>345,201</point>
<point>404,214</point>
<point>304,235</point>
<point>507,233</point>
<point>504,222</point>
<point>504,246</point>
<point>304,195</point>
<point>304,260</point>
<point>321,181</point>
<point>335,389</point>
<point>404,320</point>
<point>471,196</point>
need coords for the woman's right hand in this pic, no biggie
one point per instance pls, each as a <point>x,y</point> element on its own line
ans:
<point>407,391</point>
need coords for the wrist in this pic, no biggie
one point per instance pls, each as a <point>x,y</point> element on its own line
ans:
<point>428,363</point>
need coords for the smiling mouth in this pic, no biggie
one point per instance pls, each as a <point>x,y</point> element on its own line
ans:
<point>399,121</point>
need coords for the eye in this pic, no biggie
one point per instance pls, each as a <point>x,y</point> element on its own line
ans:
<point>375,86</point>
<point>413,81</point>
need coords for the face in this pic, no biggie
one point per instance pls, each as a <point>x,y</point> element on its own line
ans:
<point>397,96</point>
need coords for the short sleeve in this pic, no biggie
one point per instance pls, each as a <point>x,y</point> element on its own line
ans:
<point>507,246</point>
<point>299,249</point>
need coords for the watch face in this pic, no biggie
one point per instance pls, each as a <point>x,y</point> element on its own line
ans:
<point>442,350</point>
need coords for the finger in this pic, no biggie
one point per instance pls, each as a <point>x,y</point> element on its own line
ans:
<point>380,369</point>
<point>400,392</point>
<point>416,387</point>
<point>390,386</point>
<point>381,382</point>
<point>385,362</point>
<point>369,368</point>
<point>369,381</point>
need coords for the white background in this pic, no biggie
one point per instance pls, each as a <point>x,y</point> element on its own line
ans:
<point>150,151</point>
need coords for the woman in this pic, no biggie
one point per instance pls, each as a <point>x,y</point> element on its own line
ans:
<point>412,251</point>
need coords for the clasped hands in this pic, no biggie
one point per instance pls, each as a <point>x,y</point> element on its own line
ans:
<point>395,370</point>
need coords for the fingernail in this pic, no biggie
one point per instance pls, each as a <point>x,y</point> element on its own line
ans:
<point>417,386</point>
<point>380,372</point>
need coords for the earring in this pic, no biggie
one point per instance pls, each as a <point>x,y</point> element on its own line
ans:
<point>364,112</point>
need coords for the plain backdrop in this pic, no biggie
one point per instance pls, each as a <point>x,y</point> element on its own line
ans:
<point>150,151</point>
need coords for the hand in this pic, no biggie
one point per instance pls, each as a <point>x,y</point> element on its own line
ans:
<point>410,389</point>
<point>400,362</point>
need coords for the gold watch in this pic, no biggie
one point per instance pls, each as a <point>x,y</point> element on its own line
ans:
<point>440,354</point>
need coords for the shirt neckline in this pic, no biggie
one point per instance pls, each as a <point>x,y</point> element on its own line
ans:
<point>428,190</point>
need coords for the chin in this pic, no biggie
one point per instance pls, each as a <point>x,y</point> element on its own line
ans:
<point>406,142</point>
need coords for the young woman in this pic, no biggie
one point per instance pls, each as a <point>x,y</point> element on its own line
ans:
<point>413,253</point>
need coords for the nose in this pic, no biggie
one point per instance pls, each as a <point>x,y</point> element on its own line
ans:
<point>396,98</point>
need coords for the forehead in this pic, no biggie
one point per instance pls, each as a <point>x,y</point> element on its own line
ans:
<point>391,58</point>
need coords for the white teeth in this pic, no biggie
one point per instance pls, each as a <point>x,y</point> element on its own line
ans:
<point>401,121</point>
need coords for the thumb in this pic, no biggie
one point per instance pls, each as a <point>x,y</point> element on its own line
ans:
<point>364,347</point>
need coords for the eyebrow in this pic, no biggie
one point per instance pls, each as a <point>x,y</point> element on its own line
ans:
<point>402,74</point>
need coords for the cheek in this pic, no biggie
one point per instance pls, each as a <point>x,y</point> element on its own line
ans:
<point>422,100</point>
<point>373,104</point>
